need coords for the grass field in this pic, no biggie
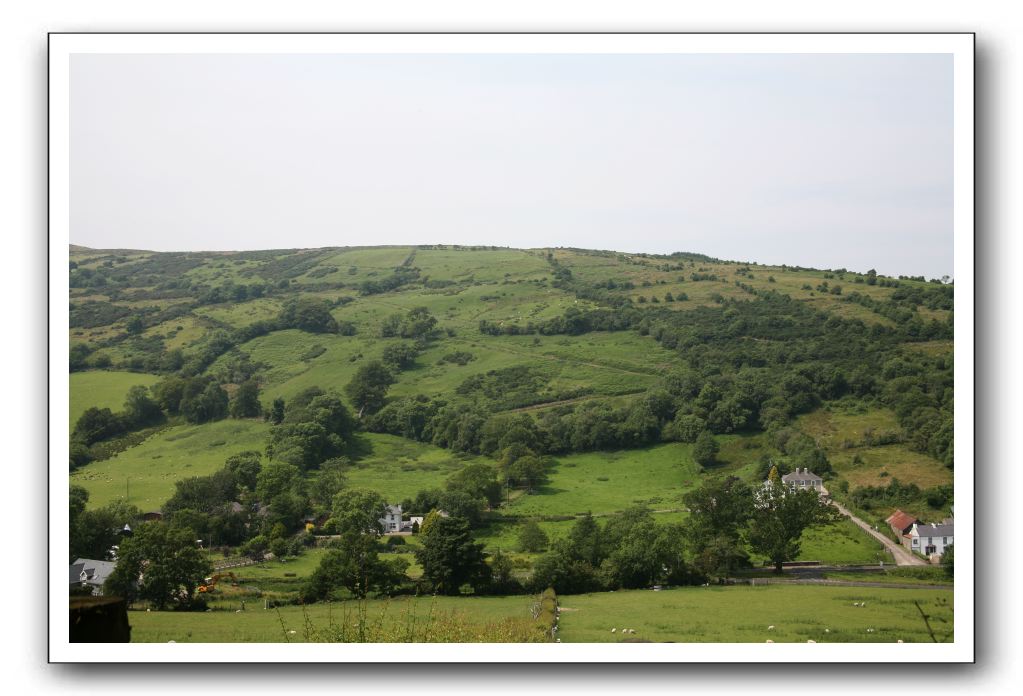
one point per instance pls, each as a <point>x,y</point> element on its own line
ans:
<point>742,614</point>
<point>398,468</point>
<point>102,389</point>
<point>257,625</point>
<point>151,468</point>
<point>684,615</point>
<point>602,482</point>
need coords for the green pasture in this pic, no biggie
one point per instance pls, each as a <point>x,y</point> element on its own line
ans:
<point>149,470</point>
<point>398,468</point>
<point>602,482</point>
<point>258,625</point>
<point>102,389</point>
<point>742,614</point>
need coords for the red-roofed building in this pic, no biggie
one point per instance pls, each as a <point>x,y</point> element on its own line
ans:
<point>902,523</point>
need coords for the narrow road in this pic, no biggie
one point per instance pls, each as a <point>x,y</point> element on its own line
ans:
<point>899,553</point>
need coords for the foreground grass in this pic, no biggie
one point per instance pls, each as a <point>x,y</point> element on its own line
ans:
<point>497,619</point>
<point>742,614</point>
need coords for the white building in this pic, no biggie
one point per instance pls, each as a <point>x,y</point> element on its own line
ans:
<point>931,539</point>
<point>90,573</point>
<point>801,479</point>
<point>391,521</point>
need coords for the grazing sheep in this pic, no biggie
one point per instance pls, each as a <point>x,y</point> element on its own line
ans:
<point>899,640</point>
<point>827,630</point>
<point>613,630</point>
<point>291,632</point>
<point>770,628</point>
<point>768,641</point>
<point>632,630</point>
<point>811,641</point>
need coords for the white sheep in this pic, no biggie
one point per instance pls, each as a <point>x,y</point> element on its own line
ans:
<point>827,630</point>
<point>811,641</point>
<point>613,630</point>
<point>770,628</point>
<point>768,641</point>
<point>899,640</point>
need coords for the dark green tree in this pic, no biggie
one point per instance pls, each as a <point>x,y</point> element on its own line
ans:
<point>356,567</point>
<point>159,564</point>
<point>781,516</point>
<point>531,538</point>
<point>451,558</point>
<point>705,450</point>
<point>245,403</point>
<point>355,511</point>
<point>368,387</point>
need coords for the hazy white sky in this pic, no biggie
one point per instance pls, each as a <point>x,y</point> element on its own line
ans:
<point>814,160</point>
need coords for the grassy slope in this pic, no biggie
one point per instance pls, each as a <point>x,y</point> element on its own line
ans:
<point>102,389</point>
<point>656,476</point>
<point>170,455</point>
<point>741,614</point>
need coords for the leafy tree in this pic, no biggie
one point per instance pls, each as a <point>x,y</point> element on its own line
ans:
<point>313,431</point>
<point>948,561</point>
<point>501,579</point>
<point>203,493</point>
<point>719,511</point>
<point>276,415</point>
<point>368,387</point>
<point>460,503</point>
<point>585,541</point>
<point>400,356</point>
<point>245,466</point>
<point>276,478</point>
<point>358,512</point>
<point>479,480</point>
<point>94,532</point>
<point>332,479</point>
<point>97,424</point>
<point>529,472</point>
<point>532,539</point>
<point>245,403</point>
<point>210,405</point>
<point>308,314</point>
<point>356,567</point>
<point>139,409</point>
<point>688,426</point>
<point>159,564</point>
<point>706,449</point>
<point>781,516</point>
<point>450,558</point>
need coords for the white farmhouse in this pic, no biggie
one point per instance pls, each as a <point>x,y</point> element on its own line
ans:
<point>391,521</point>
<point>802,479</point>
<point>931,539</point>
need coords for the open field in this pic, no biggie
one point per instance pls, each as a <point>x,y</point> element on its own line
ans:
<point>102,389</point>
<point>692,614</point>
<point>257,625</point>
<point>741,614</point>
<point>151,468</point>
<point>601,482</point>
<point>398,468</point>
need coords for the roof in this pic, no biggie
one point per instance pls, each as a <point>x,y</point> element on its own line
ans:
<point>933,530</point>
<point>901,520</point>
<point>96,571</point>
<point>799,476</point>
<point>392,510</point>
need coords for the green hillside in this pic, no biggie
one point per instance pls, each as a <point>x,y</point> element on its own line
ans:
<point>575,381</point>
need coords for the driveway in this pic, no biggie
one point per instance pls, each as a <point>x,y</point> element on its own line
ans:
<point>902,556</point>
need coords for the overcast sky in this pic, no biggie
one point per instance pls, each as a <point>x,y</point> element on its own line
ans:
<point>815,160</point>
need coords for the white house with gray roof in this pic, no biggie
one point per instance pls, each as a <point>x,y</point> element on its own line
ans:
<point>931,539</point>
<point>803,479</point>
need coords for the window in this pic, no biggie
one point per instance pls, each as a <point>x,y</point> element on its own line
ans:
<point>916,542</point>
<point>944,541</point>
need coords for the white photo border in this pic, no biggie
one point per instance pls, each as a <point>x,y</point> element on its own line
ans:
<point>960,45</point>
